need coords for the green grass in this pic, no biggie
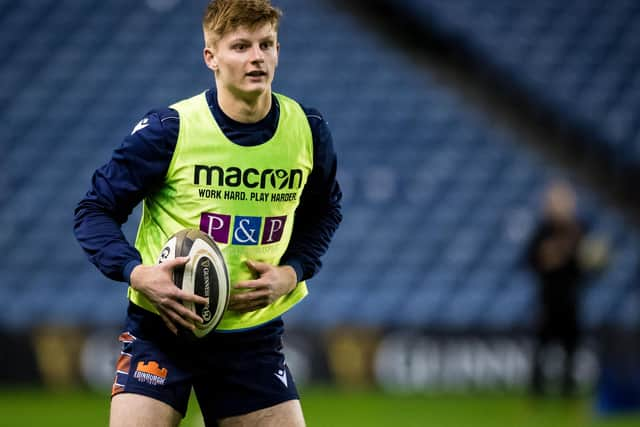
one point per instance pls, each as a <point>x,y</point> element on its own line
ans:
<point>329,407</point>
<point>332,409</point>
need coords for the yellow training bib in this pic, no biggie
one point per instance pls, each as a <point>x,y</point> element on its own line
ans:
<point>244,197</point>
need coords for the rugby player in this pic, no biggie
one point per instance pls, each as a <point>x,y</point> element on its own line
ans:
<point>256,171</point>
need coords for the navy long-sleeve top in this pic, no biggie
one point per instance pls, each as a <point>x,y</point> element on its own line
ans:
<point>139,166</point>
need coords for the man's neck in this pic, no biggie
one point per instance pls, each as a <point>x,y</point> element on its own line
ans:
<point>244,110</point>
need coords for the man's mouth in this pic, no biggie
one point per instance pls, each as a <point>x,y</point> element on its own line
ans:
<point>256,73</point>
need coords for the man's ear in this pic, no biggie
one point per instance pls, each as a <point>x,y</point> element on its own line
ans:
<point>210,59</point>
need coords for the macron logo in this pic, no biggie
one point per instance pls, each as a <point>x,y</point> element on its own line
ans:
<point>282,376</point>
<point>141,125</point>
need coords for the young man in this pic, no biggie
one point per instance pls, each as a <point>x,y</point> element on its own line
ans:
<point>257,172</point>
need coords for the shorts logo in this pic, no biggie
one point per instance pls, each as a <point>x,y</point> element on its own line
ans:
<point>150,373</point>
<point>282,376</point>
<point>243,230</point>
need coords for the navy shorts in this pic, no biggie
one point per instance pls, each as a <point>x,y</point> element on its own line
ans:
<point>232,373</point>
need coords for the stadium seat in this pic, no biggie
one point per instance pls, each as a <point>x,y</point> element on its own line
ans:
<point>575,59</point>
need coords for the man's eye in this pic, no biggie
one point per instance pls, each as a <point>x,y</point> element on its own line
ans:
<point>239,47</point>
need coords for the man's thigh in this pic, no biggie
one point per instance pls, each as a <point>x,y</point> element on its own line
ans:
<point>286,414</point>
<point>128,409</point>
<point>145,369</point>
<point>249,375</point>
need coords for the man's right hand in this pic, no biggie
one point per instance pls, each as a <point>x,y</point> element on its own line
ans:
<point>156,283</point>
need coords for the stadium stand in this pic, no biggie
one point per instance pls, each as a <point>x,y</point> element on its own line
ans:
<point>576,59</point>
<point>438,200</point>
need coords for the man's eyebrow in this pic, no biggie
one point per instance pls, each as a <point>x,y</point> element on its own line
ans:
<point>240,40</point>
<point>245,40</point>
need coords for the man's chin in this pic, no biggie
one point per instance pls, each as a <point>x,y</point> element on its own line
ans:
<point>252,91</point>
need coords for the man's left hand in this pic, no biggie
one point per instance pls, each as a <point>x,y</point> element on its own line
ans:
<point>273,281</point>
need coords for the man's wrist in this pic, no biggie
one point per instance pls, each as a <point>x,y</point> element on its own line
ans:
<point>128,269</point>
<point>297,268</point>
<point>291,272</point>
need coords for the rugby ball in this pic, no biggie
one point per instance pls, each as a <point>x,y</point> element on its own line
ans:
<point>205,274</point>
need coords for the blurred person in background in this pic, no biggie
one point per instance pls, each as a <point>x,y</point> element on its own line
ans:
<point>236,151</point>
<point>560,254</point>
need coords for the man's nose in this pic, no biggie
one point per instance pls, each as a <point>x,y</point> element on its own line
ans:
<point>257,54</point>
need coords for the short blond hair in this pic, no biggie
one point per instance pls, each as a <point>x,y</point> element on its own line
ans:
<point>223,16</point>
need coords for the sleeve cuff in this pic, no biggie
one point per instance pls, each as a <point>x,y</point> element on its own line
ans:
<point>126,273</point>
<point>297,267</point>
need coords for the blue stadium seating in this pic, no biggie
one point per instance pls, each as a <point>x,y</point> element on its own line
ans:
<point>578,59</point>
<point>438,201</point>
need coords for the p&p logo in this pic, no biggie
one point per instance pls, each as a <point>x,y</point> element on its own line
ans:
<point>243,230</point>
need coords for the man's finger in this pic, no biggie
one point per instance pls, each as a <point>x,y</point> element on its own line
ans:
<point>177,318</point>
<point>245,308</point>
<point>250,284</point>
<point>249,296</point>
<point>197,299</point>
<point>170,264</point>
<point>185,313</point>
<point>257,266</point>
<point>172,305</point>
<point>249,300</point>
<point>169,324</point>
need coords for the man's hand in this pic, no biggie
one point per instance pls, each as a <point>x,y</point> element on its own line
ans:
<point>272,283</point>
<point>156,283</point>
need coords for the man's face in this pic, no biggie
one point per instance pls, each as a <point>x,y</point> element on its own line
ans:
<point>244,61</point>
